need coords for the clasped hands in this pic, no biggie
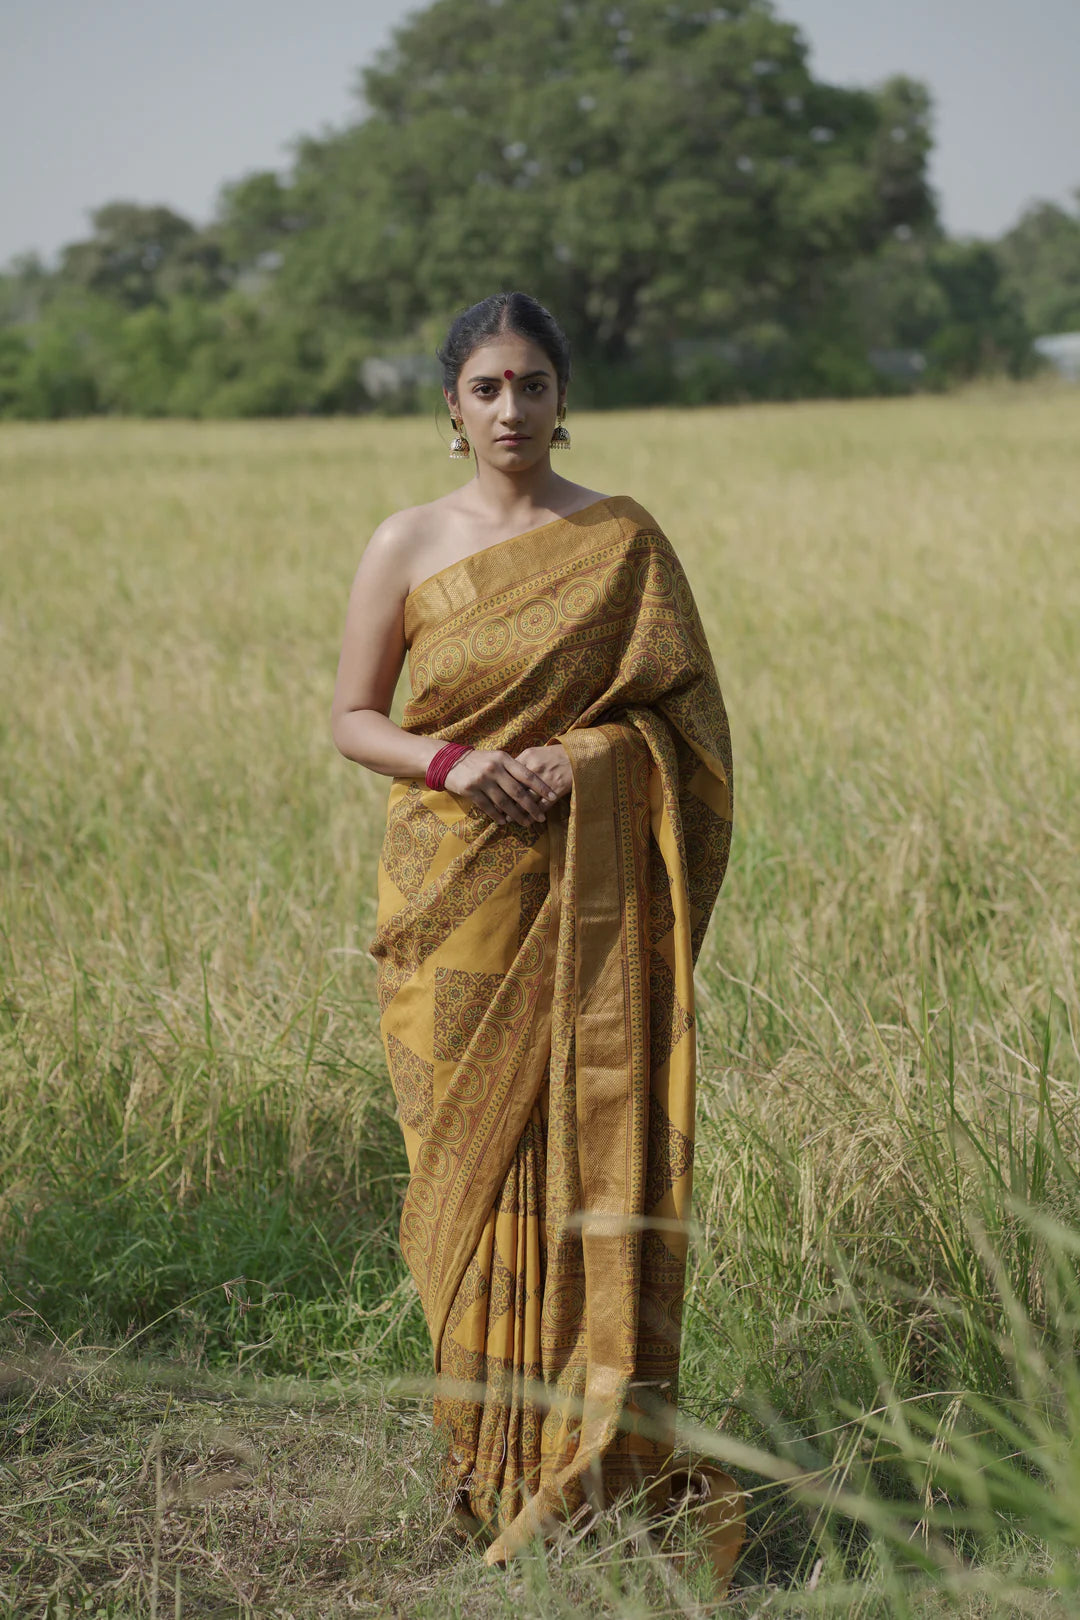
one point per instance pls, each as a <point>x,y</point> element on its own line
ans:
<point>508,787</point>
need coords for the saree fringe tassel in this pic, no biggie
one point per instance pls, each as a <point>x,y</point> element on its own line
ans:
<point>536,992</point>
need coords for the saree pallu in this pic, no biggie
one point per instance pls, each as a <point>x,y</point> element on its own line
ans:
<point>536,994</point>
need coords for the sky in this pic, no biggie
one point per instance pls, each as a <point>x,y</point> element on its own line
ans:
<point>161,102</point>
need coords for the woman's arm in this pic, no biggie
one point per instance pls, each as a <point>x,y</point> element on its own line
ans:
<point>372,653</point>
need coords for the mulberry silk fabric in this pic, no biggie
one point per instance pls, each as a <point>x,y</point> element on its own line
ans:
<point>537,1006</point>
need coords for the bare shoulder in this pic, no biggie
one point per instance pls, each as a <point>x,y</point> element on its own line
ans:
<point>396,544</point>
<point>400,530</point>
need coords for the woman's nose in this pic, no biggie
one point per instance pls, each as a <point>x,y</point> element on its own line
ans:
<point>509,406</point>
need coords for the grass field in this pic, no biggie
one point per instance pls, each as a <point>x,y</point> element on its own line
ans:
<point>212,1359</point>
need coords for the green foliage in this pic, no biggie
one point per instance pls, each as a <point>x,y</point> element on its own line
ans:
<point>660,175</point>
<point>252,218</point>
<point>948,299</point>
<point>254,1270</point>
<point>14,355</point>
<point>984,330</point>
<point>56,366</point>
<point>234,357</point>
<point>666,170</point>
<point>135,253</point>
<point>1041,260</point>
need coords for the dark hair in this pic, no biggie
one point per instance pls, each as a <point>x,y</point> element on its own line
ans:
<point>495,316</point>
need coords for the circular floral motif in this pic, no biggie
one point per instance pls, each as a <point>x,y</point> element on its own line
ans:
<point>449,661</point>
<point>578,695</point>
<point>535,620</point>
<point>565,1303</point>
<point>579,599</point>
<point>450,1122</point>
<point>489,641</point>
<point>684,596</point>
<point>617,584</point>
<point>433,1160</point>
<point>421,682</point>
<point>468,1083</point>
<point>654,577</point>
<point>470,1013</point>
<point>423,1197</point>
<point>489,1042</point>
<point>482,888</point>
<point>400,840</point>
<point>644,671</point>
<point>653,1316</point>
<point>628,1309</point>
<point>511,998</point>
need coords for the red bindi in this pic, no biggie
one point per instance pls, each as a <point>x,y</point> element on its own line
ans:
<point>509,375</point>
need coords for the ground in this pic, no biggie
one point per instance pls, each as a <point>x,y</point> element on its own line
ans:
<point>213,1362</point>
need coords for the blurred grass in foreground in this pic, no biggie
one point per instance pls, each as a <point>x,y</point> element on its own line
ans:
<point>199,1153</point>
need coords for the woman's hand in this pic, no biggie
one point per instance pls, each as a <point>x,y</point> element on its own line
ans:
<point>552,764</point>
<point>505,788</point>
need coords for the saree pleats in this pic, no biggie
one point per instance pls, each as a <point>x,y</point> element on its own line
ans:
<point>537,1007</point>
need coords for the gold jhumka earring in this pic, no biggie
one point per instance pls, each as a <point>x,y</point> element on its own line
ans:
<point>560,439</point>
<point>459,444</point>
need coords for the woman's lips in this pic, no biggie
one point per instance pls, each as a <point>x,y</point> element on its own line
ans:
<point>512,438</point>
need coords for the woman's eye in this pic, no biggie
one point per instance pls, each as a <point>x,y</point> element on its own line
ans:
<point>486,390</point>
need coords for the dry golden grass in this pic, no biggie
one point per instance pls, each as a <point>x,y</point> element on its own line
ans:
<point>192,1091</point>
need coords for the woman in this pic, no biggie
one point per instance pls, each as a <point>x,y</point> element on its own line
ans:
<point>544,888</point>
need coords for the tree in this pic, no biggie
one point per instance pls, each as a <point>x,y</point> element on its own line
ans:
<point>707,219</point>
<point>947,299</point>
<point>136,255</point>
<point>25,287</point>
<point>15,355</point>
<point>984,329</point>
<point>1040,257</point>
<point>253,218</point>
<point>649,169</point>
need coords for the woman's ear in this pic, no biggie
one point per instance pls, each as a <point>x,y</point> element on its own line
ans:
<point>451,402</point>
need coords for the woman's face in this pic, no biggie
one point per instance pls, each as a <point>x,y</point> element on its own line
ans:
<point>508,401</point>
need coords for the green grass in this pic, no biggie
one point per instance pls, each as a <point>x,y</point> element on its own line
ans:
<point>201,1169</point>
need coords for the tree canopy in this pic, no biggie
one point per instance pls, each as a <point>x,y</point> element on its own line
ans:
<point>649,170</point>
<point>1041,259</point>
<point>705,217</point>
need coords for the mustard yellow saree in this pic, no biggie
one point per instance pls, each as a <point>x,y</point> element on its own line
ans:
<point>537,1006</point>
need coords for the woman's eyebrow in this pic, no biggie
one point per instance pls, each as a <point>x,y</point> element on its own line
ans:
<point>522,376</point>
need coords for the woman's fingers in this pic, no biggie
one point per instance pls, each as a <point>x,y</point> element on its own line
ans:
<point>515,803</point>
<point>491,809</point>
<point>529,778</point>
<point>507,790</point>
<point>512,796</point>
<point>536,801</point>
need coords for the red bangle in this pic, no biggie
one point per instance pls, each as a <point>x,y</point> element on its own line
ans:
<point>443,763</point>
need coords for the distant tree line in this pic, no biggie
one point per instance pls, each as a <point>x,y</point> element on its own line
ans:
<point>708,220</point>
